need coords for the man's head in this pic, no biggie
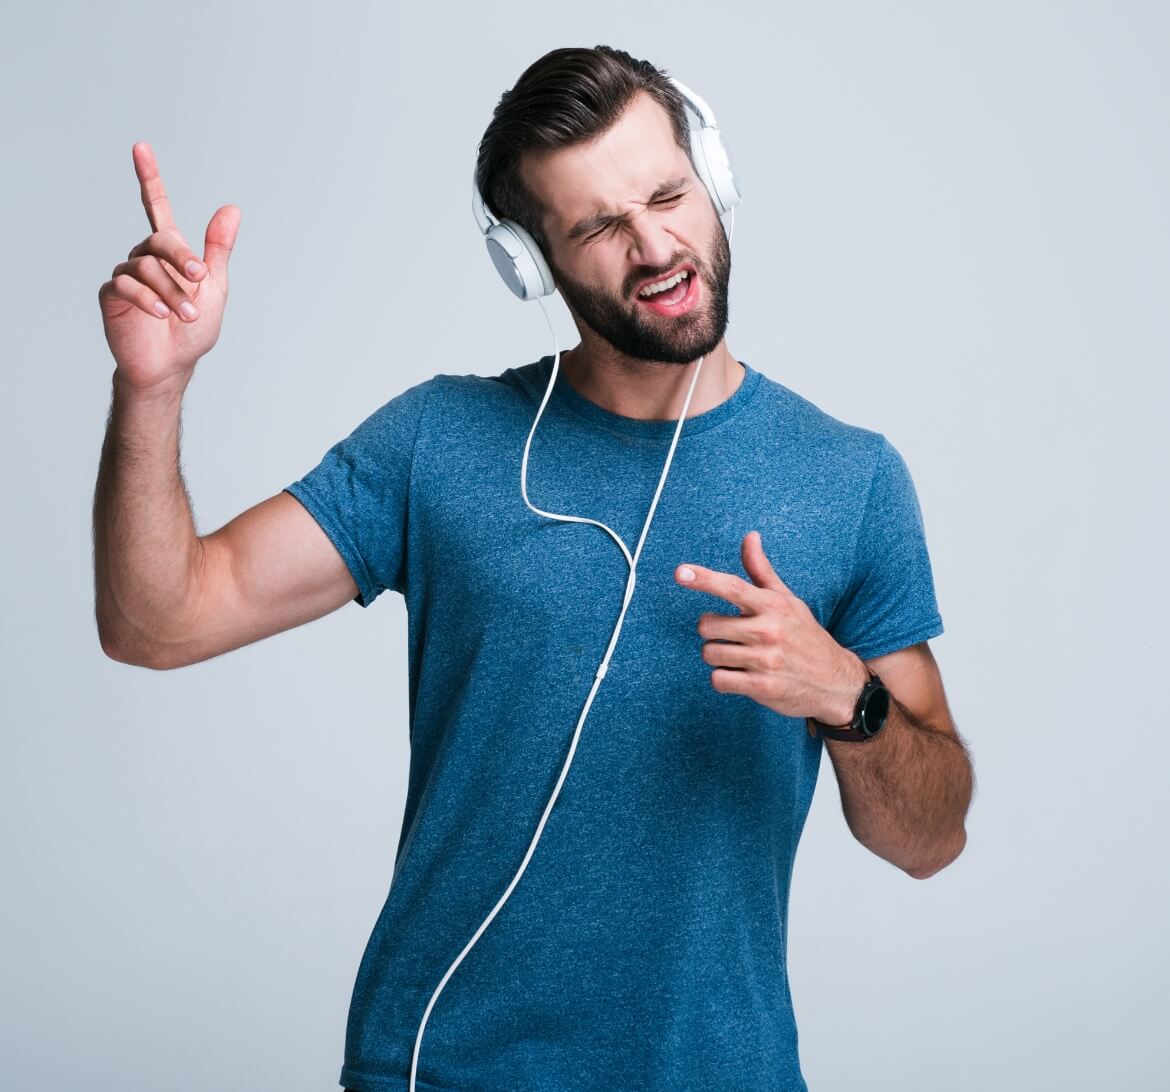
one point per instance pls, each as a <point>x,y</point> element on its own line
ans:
<point>590,153</point>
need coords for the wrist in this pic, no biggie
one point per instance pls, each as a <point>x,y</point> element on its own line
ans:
<point>164,391</point>
<point>854,676</point>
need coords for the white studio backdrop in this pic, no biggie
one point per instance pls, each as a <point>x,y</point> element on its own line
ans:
<point>954,231</point>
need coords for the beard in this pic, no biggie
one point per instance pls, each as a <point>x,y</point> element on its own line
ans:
<point>644,335</point>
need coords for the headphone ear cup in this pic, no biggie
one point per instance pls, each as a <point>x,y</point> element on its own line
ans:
<point>713,164</point>
<point>518,260</point>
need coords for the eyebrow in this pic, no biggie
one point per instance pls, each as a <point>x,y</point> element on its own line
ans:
<point>601,219</point>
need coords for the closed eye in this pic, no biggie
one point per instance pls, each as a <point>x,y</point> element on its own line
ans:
<point>613,223</point>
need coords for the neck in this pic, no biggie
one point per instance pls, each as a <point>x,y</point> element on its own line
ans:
<point>649,390</point>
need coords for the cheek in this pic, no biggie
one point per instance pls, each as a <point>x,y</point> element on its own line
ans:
<point>605,278</point>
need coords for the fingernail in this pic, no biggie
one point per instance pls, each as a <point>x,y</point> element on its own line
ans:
<point>194,268</point>
<point>686,574</point>
<point>188,309</point>
<point>161,309</point>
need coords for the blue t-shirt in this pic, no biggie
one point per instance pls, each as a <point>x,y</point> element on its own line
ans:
<point>645,945</point>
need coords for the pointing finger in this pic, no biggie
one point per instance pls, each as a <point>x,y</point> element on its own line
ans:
<point>749,598</point>
<point>154,194</point>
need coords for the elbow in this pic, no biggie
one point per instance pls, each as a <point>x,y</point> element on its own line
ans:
<point>924,872</point>
<point>133,655</point>
<point>110,646</point>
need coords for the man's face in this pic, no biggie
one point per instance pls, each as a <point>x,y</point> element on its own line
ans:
<point>612,229</point>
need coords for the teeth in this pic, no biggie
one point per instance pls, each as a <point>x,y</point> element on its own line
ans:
<point>663,286</point>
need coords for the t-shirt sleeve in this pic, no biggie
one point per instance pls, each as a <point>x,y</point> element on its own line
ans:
<point>890,601</point>
<point>358,493</point>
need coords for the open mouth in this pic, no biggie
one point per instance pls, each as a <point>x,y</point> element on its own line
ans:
<point>677,298</point>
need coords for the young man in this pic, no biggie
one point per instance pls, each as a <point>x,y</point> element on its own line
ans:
<point>646,943</point>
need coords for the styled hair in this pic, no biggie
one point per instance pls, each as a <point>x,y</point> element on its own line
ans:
<point>569,96</point>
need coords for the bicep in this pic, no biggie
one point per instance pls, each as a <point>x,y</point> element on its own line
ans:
<point>270,569</point>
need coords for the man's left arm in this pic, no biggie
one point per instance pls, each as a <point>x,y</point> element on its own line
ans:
<point>905,793</point>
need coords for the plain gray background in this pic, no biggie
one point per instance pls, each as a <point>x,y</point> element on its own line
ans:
<point>954,231</point>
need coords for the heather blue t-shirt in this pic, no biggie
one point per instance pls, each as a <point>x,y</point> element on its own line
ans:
<point>645,945</point>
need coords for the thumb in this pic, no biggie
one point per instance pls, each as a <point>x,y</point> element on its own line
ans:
<point>756,562</point>
<point>219,240</point>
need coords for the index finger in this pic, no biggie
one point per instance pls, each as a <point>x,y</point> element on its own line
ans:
<point>749,598</point>
<point>154,194</point>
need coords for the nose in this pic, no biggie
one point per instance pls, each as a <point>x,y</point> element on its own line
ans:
<point>651,244</point>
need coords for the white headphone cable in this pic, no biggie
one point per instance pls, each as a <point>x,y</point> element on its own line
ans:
<point>601,671</point>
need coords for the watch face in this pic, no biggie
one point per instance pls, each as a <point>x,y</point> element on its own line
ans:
<point>876,710</point>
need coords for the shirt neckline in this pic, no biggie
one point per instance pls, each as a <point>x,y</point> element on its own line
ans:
<point>565,394</point>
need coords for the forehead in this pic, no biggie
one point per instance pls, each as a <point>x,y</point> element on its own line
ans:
<point>625,164</point>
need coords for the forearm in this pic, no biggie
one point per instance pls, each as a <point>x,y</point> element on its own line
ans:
<point>905,793</point>
<point>145,543</point>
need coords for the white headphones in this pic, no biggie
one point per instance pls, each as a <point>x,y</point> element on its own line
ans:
<point>515,253</point>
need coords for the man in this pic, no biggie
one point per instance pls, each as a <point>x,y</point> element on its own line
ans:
<point>646,943</point>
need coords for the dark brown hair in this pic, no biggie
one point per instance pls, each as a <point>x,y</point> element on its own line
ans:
<point>568,96</point>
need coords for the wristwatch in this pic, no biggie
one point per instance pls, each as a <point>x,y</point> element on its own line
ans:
<point>869,715</point>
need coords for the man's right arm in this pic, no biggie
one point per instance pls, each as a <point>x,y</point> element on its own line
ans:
<point>166,597</point>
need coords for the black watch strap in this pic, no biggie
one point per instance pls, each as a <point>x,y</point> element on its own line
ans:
<point>869,714</point>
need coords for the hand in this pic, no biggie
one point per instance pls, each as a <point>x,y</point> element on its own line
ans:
<point>156,351</point>
<point>779,654</point>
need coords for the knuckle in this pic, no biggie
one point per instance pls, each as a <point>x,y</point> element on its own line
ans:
<point>162,244</point>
